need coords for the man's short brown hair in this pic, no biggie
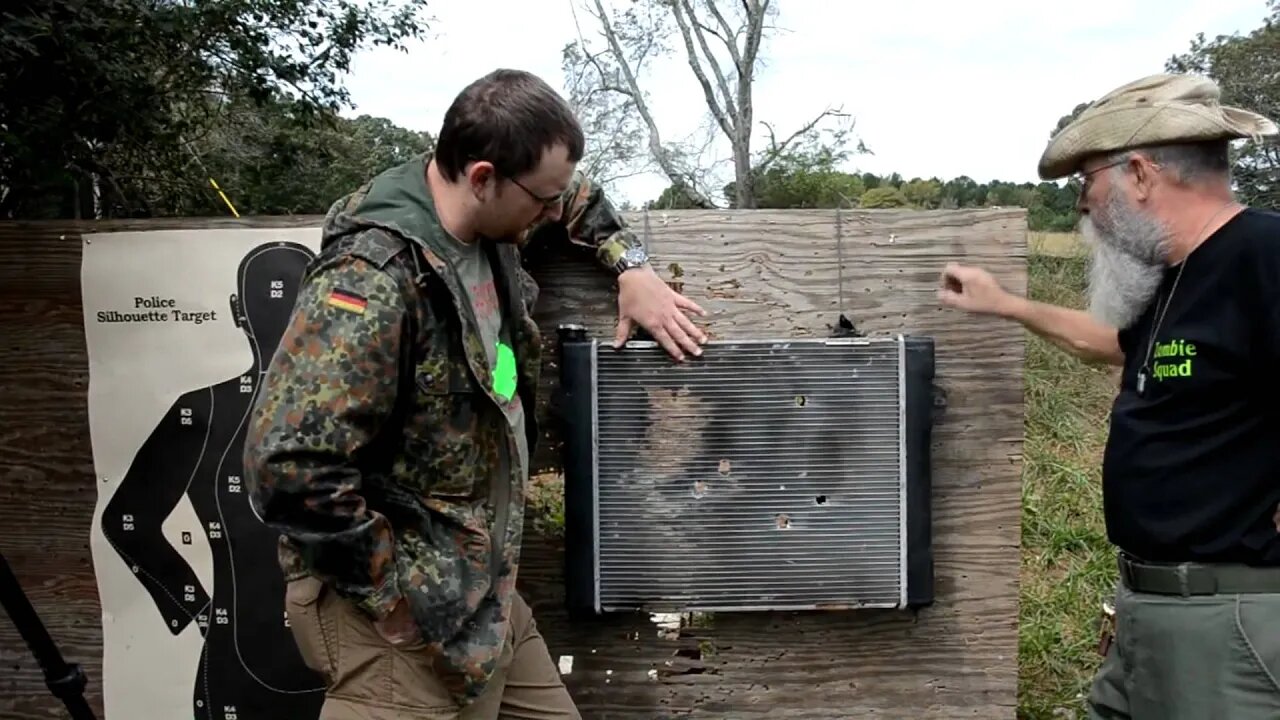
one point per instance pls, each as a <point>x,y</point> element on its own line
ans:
<point>509,118</point>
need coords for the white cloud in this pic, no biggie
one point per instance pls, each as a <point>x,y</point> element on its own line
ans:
<point>937,88</point>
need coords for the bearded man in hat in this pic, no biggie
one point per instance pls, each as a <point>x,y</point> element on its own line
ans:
<point>1185,298</point>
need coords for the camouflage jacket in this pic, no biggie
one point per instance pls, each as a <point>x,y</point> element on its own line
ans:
<point>375,433</point>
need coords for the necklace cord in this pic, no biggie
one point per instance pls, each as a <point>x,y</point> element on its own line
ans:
<point>1155,328</point>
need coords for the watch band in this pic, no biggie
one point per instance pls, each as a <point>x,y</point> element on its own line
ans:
<point>631,258</point>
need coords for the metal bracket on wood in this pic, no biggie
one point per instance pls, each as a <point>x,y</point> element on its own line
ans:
<point>844,326</point>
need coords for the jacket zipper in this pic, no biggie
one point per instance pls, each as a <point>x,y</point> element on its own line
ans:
<point>501,489</point>
<point>500,493</point>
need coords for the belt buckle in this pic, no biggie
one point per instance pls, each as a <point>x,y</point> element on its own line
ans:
<point>1106,629</point>
<point>1196,580</point>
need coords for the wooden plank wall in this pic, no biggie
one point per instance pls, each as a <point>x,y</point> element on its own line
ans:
<point>759,273</point>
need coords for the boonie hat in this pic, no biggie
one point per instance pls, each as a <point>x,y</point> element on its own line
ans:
<point>1154,110</point>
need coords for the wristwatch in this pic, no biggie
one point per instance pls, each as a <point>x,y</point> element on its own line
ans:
<point>633,257</point>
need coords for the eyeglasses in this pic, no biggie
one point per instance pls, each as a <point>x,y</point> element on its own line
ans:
<point>547,202</point>
<point>1084,178</point>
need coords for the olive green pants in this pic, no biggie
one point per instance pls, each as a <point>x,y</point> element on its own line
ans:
<point>367,678</point>
<point>1199,657</point>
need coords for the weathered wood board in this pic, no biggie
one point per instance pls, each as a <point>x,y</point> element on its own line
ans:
<point>758,274</point>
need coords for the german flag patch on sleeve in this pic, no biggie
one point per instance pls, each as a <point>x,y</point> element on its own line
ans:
<point>347,300</point>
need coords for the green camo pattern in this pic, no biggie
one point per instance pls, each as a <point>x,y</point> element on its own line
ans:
<point>373,439</point>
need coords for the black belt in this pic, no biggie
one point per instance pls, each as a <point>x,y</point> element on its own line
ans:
<point>1187,579</point>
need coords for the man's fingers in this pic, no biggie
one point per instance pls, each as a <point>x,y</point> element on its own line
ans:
<point>397,630</point>
<point>954,278</point>
<point>949,297</point>
<point>624,332</point>
<point>685,303</point>
<point>960,273</point>
<point>692,330</point>
<point>681,336</point>
<point>665,340</point>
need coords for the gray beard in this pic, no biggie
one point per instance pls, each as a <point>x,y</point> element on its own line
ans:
<point>1127,262</point>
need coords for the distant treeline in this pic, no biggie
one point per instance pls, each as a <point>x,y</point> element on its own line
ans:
<point>1051,206</point>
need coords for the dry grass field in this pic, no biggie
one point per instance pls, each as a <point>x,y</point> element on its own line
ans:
<point>1056,244</point>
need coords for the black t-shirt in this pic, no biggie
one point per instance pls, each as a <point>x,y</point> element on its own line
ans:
<point>1192,468</point>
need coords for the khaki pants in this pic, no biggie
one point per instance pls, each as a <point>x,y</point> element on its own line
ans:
<point>369,679</point>
<point>1204,657</point>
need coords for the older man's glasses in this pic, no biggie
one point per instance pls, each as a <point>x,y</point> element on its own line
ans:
<point>1084,178</point>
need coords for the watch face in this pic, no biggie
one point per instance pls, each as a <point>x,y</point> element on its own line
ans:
<point>634,256</point>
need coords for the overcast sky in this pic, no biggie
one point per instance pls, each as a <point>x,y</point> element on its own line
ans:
<point>937,88</point>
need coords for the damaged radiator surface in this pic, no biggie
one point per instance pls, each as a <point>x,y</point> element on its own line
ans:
<point>764,475</point>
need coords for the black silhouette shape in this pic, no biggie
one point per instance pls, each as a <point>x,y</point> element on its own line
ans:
<point>250,668</point>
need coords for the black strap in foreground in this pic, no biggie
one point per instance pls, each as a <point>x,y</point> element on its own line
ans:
<point>66,682</point>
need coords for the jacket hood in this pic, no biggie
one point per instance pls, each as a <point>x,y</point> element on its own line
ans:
<point>397,200</point>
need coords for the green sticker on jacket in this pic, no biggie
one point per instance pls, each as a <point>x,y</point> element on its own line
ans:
<point>504,375</point>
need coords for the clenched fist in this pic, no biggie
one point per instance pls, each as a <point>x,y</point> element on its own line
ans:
<point>974,290</point>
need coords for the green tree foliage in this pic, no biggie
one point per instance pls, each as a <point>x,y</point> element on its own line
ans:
<point>1247,67</point>
<point>103,101</point>
<point>271,163</point>
<point>925,194</point>
<point>806,175</point>
<point>885,196</point>
<point>815,187</point>
<point>814,181</point>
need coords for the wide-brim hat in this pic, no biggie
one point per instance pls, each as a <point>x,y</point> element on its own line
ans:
<point>1154,110</point>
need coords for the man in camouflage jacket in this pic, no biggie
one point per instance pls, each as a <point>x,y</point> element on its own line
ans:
<point>390,441</point>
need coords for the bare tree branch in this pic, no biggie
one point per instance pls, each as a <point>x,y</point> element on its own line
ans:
<point>660,153</point>
<point>730,37</point>
<point>726,116</point>
<point>709,30</point>
<point>776,149</point>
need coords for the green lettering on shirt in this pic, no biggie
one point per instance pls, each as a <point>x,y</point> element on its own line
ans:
<point>1173,359</point>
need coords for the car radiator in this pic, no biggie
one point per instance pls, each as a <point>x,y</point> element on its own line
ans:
<point>765,475</point>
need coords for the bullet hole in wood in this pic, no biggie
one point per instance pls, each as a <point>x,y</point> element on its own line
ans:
<point>699,489</point>
<point>784,521</point>
<point>724,466</point>
<point>801,401</point>
<point>821,499</point>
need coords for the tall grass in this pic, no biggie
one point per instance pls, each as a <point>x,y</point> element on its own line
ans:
<point>1067,566</point>
<point>1057,244</point>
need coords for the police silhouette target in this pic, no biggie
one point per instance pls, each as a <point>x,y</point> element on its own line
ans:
<point>249,668</point>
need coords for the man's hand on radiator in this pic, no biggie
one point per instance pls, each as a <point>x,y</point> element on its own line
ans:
<point>645,300</point>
